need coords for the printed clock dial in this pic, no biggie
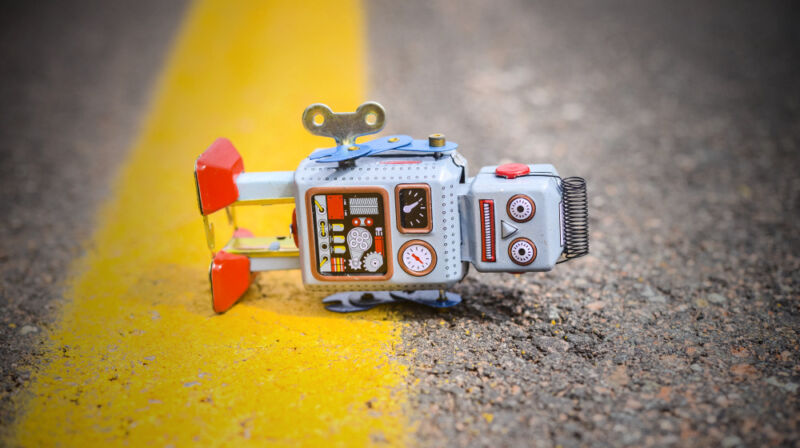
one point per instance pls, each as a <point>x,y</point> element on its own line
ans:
<point>417,258</point>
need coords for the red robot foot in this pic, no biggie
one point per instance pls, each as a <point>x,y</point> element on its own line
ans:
<point>230,277</point>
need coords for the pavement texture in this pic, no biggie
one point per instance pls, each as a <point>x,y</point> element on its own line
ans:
<point>76,77</point>
<point>681,326</point>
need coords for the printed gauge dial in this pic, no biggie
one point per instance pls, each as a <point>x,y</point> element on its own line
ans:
<point>521,208</point>
<point>413,208</point>
<point>417,258</point>
<point>522,251</point>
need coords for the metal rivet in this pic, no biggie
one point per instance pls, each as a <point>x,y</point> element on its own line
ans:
<point>352,148</point>
<point>393,139</point>
<point>436,140</point>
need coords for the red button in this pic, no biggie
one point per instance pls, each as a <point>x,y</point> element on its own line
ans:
<point>512,170</point>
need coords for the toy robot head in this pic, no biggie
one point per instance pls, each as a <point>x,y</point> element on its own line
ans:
<point>525,218</point>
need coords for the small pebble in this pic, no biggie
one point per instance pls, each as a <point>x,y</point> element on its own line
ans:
<point>716,298</point>
<point>731,442</point>
<point>788,386</point>
<point>28,329</point>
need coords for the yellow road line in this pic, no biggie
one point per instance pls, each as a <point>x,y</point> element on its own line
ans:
<point>138,357</point>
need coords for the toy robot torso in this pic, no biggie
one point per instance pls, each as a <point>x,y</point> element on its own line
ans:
<point>383,223</point>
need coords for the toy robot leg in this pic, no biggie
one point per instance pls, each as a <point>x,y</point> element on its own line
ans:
<point>230,278</point>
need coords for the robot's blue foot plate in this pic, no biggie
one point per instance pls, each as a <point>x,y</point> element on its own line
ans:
<point>352,301</point>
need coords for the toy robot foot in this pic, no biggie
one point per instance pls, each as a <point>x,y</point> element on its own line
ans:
<point>431,298</point>
<point>215,174</point>
<point>230,277</point>
<point>353,301</point>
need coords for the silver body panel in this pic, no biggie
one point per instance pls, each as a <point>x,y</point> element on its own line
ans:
<point>442,175</point>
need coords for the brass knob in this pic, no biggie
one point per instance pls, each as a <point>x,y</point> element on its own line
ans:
<point>436,140</point>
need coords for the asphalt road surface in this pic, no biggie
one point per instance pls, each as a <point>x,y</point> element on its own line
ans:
<point>681,326</point>
<point>76,77</point>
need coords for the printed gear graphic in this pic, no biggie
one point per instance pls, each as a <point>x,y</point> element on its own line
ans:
<point>355,263</point>
<point>373,261</point>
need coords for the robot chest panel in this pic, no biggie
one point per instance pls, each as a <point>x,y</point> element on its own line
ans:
<point>348,233</point>
<point>383,222</point>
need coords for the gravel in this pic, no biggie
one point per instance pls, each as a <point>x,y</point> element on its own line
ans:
<point>681,326</point>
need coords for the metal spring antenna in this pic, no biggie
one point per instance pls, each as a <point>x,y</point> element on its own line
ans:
<point>576,218</point>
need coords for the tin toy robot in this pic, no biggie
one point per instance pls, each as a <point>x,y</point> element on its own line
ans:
<point>391,219</point>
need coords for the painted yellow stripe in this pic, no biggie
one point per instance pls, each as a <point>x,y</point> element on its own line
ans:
<point>138,357</point>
